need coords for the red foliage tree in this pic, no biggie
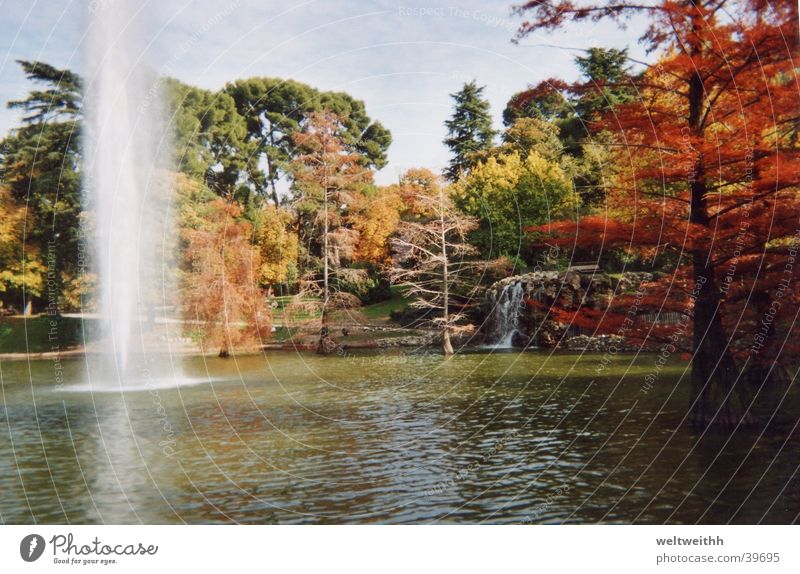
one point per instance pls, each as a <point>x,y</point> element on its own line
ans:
<point>712,148</point>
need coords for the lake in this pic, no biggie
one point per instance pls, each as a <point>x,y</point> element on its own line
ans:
<point>384,437</point>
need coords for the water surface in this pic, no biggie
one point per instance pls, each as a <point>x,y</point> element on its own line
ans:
<point>384,438</point>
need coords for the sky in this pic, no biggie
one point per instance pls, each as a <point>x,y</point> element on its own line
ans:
<point>403,58</point>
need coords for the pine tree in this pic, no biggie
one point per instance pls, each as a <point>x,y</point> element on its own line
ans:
<point>469,131</point>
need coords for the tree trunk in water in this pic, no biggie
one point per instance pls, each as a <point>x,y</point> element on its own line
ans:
<point>447,347</point>
<point>770,386</point>
<point>326,344</point>
<point>716,391</point>
<point>223,353</point>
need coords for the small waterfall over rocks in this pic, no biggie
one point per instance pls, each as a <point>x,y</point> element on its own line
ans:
<point>506,315</point>
<point>517,309</point>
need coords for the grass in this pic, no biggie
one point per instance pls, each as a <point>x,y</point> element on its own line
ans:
<point>381,310</point>
<point>376,311</point>
<point>44,333</point>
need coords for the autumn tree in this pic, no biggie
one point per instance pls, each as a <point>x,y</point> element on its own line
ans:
<point>510,192</point>
<point>712,147</point>
<point>575,109</point>
<point>277,241</point>
<point>375,223</point>
<point>469,130</point>
<point>435,263</point>
<point>221,291</point>
<point>327,180</point>
<point>21,272</point>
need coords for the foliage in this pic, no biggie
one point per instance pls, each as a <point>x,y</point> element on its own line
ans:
<point>209,138</point>
<point>276,110</point>
<point>509,193</point>
<point>278,244</point>
<point>40,167</point>
<point>469,130</point>
<point>221,285</point>
<point>375,222</point>
<point>713,156</point>
<point>575,111</point>
<point>20,269</point>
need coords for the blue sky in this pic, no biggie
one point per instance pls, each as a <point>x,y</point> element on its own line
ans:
<point>403,58</point>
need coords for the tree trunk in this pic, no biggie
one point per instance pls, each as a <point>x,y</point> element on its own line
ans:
<point>447,347</point>
<point>715,391</point>
<point>223,353</point>
<point>716,388</point>
<point>326,345</point>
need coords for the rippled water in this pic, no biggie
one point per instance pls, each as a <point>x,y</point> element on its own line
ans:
<point>390,438</point>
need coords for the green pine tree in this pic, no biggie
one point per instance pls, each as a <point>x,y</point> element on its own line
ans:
<point>469,131</point>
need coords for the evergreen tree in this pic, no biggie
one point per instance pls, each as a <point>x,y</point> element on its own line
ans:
<point>39,163</point>
<point>469,131</point>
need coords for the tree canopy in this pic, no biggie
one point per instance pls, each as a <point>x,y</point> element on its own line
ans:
<point>469,130</point>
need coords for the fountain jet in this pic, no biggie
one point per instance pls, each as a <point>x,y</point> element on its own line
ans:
<point>126,181</point>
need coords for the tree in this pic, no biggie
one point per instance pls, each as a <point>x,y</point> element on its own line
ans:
<point>221,289</point>
<point>210,138</point>
<point>327,180</point>
<point>509,193</point>
<point>469,130</point>
<point>548,100</point>
<point>432,263</point>
<point>21,272</point>
<point>278,243</point>
<point>39,163</point>
<point>712,145</point>
<point>375,224</point>
<point>605,83</point>
<point>276,110</point>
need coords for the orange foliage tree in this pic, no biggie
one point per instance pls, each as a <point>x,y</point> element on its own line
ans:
<point>221,289</point>
<point>327,182</point>
<point>712,182</point>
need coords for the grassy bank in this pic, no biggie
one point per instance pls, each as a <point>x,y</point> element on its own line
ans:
<point>43,333</point>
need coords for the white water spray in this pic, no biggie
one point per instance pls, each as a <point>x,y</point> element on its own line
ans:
<point>127,187</point>
<point>506,312</point>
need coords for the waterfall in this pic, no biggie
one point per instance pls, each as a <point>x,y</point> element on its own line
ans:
<point>126,183</point>
<point>505,315</point>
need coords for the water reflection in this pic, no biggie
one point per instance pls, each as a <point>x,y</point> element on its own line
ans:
<point>498,438</point>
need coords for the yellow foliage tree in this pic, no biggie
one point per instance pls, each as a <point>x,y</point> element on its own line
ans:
<point>278,245</point>
<point>20,268</point>
<point>375,224</point>
<point>509,193</point>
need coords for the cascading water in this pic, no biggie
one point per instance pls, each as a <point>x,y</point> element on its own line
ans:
<point>505,315</point>
<point>126,182</point>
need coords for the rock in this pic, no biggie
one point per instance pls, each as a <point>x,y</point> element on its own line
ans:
<point>568,290</point>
